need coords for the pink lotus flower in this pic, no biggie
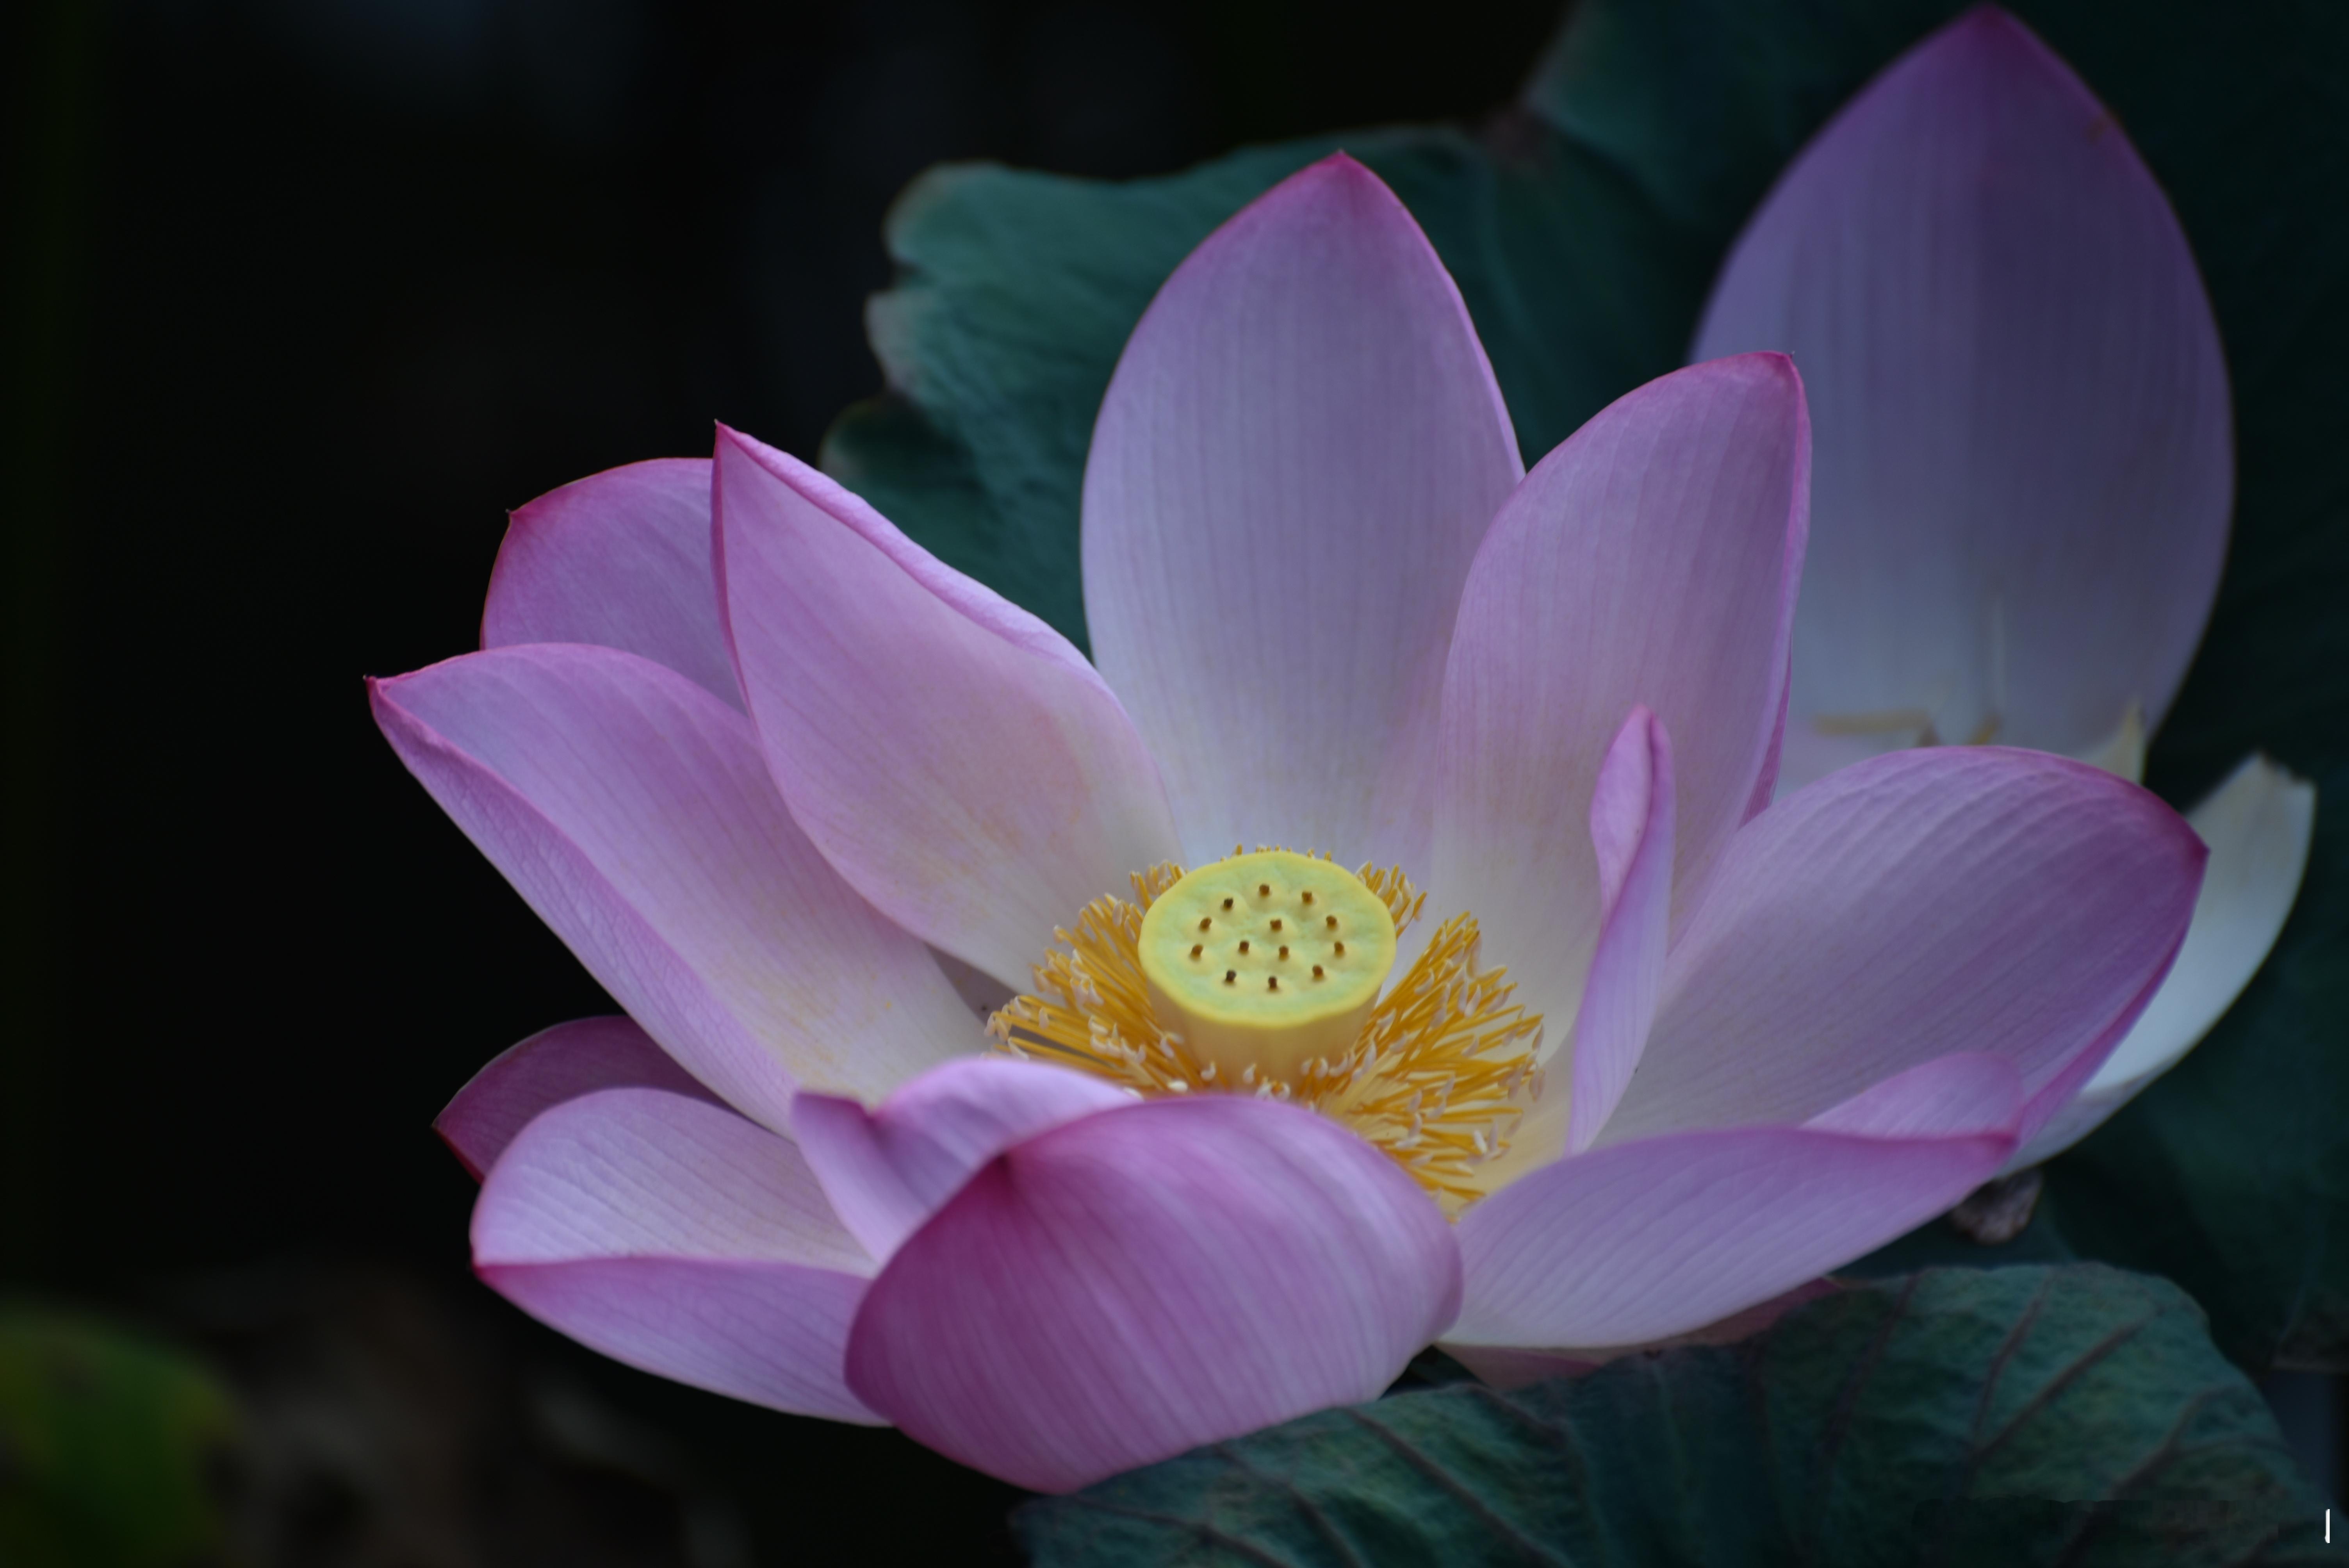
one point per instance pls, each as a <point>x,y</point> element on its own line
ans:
<point>2025,465</point>
<point>1643,1054</point>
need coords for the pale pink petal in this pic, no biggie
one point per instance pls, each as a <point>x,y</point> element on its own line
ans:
<point>1295,461</point>
<point>542,1072</point>
<point>619,559</point>
<point>1632,831</point>
<point>1511,1367</point>
<point>1952,899</point>
<point>1507,1367</point>
<point>1650,561</point>
<point>1639,1241</point>
<point>673,1235</point>
<point>1129,1286</point>
<point>953,755</point>
<point>632,810</point>
<point>2025,463</point>
<point>888,1170</point>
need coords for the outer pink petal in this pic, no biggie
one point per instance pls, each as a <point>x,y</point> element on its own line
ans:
<point>1632,831</point>
<point>632,810</point>
<point>887,1172</point>
<point>673,1235</point>
<point>542,1072</point>
<point>1639,1241</point>
<point>1650,561</point>
<point>1298,453</point>
<point>2024,466</point>
<point>1127,1286</point>
<point>1955,899</point>
<point>619,559</point>
<point>958,761</point>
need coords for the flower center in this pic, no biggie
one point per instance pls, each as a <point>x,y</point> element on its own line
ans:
<point>1270,997</point>
<point>1265,960</point>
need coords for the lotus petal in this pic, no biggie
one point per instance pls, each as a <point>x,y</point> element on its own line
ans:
<point>553,1065</point>
<point>1956,898</point>
<point>634,813</point>
<point>1639,1241</point>
<point>2024,464</point>
<point>1650,561</point>
<point>1136,1282</point>
<point>620,559</point>
<point>1296,456</point>
<point>953,756</point>
<point>675,1236</point>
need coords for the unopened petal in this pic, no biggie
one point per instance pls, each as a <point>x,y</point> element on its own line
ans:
<point>953,755</point>
<point>2024,466</point>
<point>675,1236</point>
<point>1301,447</point>
<point>1129,1286</point>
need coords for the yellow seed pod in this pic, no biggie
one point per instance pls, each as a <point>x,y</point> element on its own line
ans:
<point>1267,960</point>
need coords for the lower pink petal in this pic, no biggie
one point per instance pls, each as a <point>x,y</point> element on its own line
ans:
<point>1129,1286</point>
<point>542,1072</point>
<point>767,1333</point>
<point>888,1170</point>
<point>1639,1241</point>
<point>676,1236</point>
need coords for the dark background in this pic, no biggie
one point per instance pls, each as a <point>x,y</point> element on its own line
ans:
<point>303,295</point>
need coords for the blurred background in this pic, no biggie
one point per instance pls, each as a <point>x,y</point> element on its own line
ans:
<point>303,295</point>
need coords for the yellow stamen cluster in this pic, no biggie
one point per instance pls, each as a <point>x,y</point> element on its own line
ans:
<point>1438,1077</point>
